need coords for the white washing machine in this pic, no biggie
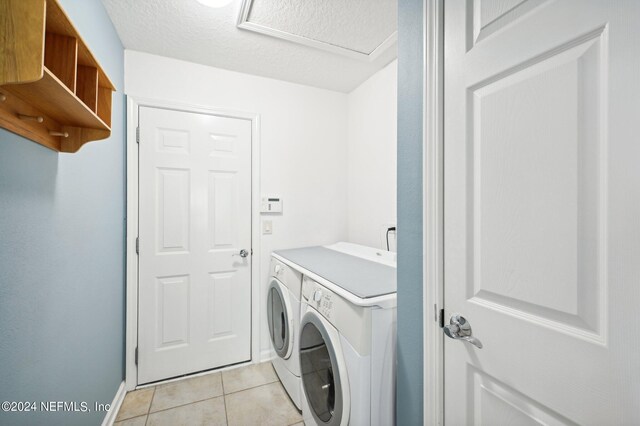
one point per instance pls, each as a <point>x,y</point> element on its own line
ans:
<point>347,335</point>
<point>283,316</point>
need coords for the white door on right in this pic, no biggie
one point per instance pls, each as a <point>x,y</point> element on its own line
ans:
<point>542,211</point>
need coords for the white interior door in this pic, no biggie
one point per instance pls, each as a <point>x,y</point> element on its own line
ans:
<point>542,208</point>
<point>195,218</point>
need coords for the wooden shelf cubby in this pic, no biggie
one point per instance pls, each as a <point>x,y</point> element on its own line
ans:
<point>52,89</point>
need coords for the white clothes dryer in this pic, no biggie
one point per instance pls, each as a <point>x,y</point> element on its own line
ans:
<point>347,336</point>
<point>283,316</point>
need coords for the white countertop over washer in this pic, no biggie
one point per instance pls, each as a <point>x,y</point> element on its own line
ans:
<point>363,276</point>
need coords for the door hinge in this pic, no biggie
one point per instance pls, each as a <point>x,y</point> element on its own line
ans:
<point>137,134</point>
<point>137,245</point>
<point>251,252</point>
<point>439,315</point>
<point>136,356</point>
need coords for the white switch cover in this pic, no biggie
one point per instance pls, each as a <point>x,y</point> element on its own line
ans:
<point>267,227</point>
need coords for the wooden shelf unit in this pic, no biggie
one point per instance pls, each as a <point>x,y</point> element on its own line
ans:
<point>52,89</point>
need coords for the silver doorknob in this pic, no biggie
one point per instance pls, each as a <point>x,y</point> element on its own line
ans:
<point>460,329</point>
<point>243,253</point>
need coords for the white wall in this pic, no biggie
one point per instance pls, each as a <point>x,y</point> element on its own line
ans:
<point>303,145</point>
<point>371,158</point>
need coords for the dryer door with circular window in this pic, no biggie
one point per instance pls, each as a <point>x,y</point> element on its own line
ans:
<point>280,319</point>
<point>323,383</point>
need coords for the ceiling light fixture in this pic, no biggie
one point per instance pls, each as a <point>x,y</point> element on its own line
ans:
<point>215,3</point>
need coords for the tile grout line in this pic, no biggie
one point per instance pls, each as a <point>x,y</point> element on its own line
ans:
<point>224,400</point>
<point>275,379</point>
<point>292,404</point>
<point>226,415</point>
<point>223,395</point>
<point>185,404</point>
<point>130,418</point>
<point>137,415</point>
<point>213,397</point>
<point>253,387</point>
<point>150,404</point>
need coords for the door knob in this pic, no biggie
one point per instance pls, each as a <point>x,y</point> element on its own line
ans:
<point>243,253</point>
<point>460,329</point>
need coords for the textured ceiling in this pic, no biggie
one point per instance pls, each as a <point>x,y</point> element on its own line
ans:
<point>187,30</point>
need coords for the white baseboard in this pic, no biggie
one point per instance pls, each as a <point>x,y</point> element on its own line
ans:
<point>266,355</point>
<point>110,418</point>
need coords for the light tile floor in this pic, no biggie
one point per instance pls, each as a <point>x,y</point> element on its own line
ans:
<point>244,396</point>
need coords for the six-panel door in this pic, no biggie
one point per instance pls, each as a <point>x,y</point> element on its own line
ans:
<point>195,217</point>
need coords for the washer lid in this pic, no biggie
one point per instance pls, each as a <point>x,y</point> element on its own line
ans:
<point>358,276</point>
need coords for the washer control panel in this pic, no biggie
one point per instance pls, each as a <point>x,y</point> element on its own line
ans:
<point>288,276</point>
<point>352,321</point>
<point>318,297</point>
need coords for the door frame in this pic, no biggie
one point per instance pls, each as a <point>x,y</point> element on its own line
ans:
<point>131,279</point>
<point>433,211</point>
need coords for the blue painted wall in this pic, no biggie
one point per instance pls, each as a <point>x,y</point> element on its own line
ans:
<point>410,258</point>
<point>62,257</point>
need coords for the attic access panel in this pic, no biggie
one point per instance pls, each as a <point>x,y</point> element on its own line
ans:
<point>360,29</point>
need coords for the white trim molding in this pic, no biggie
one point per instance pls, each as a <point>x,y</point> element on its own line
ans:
<point>131,370</point>
<point>110,417</point>
<point>433,176</point>
<point>267,355</point>
<point>245,24</point>
<point>133,104</point>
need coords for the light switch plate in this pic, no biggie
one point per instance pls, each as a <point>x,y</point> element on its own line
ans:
<point>267,227</point>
